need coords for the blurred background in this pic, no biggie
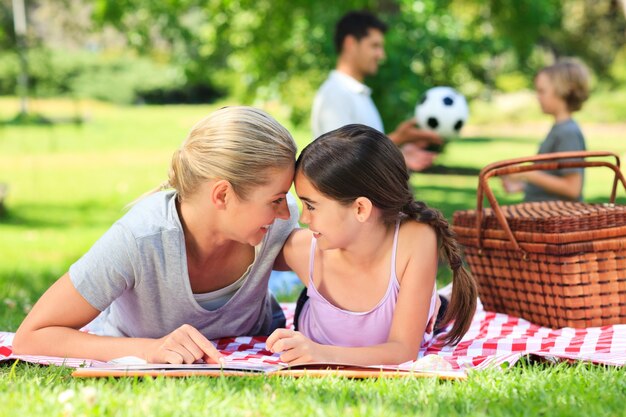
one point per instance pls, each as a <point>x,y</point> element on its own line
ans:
<point>96,95</point>
<point>192,51</point>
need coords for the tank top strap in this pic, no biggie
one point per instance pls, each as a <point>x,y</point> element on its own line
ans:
<point>312,258</point>
<point>394,249</point>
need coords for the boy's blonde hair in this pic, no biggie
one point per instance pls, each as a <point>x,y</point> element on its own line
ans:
<point>239,144</point>
<point>570,79</point>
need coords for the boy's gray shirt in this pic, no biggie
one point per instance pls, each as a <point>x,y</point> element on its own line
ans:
<point>136,275</point>
<point>563,137</point>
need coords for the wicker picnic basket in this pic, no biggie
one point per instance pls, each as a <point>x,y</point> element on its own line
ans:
<point>556,264</point>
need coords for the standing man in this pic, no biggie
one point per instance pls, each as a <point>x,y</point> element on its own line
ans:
<point>345,99</point>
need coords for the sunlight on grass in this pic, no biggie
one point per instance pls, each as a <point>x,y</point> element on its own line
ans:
<point>521,107</point>
<point>522,391</point>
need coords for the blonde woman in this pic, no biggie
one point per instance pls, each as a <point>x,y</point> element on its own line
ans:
<point>185,265</point>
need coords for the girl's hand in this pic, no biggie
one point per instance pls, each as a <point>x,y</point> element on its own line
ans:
<point>296,348</point>
<point>184,345</point>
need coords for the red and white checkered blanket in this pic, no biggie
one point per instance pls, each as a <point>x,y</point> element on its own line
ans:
<point>492,340</point>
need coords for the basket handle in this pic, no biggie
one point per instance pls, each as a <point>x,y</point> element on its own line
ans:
<point>512,166</point>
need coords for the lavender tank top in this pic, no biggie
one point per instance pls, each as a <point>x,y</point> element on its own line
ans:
<point>325,323</point>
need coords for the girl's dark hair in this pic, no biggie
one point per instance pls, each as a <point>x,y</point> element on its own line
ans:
<point>359,161</point>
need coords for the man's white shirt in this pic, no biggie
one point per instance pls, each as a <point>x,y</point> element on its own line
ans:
<point>342,100</point>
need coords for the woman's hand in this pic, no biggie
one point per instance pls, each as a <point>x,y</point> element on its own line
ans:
<point>184,345</point>
<point>296,348</point>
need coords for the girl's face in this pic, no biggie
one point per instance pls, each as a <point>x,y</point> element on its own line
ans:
<point>252,217</point>
<point>332,223</point>
<point>549,101</point>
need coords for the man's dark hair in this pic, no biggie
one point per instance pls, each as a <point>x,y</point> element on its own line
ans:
<point>356,23</point>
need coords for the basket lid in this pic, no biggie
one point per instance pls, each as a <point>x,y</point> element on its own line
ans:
<point>549,217</point>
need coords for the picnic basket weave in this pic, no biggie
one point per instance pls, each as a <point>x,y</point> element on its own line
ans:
<point>557,264</point>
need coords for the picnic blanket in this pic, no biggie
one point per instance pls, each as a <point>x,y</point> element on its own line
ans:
<point>493,339</point>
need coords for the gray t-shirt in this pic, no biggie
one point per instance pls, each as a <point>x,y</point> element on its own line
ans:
<point>136,275</point>
<point>564,136</point>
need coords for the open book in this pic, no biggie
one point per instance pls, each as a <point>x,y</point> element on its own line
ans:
<point>126,367</point>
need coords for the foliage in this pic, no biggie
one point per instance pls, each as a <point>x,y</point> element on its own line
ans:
<point>524,22</point>
<point>268,50</point>
<point>263,50</point>
<point>7,36</point>
<point>119,78</point>
<point>590,29</point>
<point>431,43</point>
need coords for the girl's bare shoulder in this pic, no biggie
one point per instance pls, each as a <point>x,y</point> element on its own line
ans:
<point>413,233</point>
<point>417,247</point>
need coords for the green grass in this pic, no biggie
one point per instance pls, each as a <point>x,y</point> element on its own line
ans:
<point>602,107</point>
<point>69,183</point>
<point>526,390</point>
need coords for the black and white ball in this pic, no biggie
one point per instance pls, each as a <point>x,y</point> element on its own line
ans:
<point>443,110</point>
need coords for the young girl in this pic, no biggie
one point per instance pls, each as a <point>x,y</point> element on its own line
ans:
<point>369,257</point>
<point>182,266</point>
<point>561,90</point>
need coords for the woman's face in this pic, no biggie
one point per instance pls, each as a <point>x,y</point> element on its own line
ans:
<point>252,217</point>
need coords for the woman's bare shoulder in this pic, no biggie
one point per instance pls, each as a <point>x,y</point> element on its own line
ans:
<point>297,248</point>
<point>300,237</point>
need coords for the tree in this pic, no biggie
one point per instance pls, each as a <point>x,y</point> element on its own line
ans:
<point>282,50</point>
<point>590,29</point>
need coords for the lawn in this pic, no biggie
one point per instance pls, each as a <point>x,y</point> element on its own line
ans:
<point>69,183</point>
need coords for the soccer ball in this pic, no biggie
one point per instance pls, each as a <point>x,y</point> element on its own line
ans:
<point>443,110</point>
